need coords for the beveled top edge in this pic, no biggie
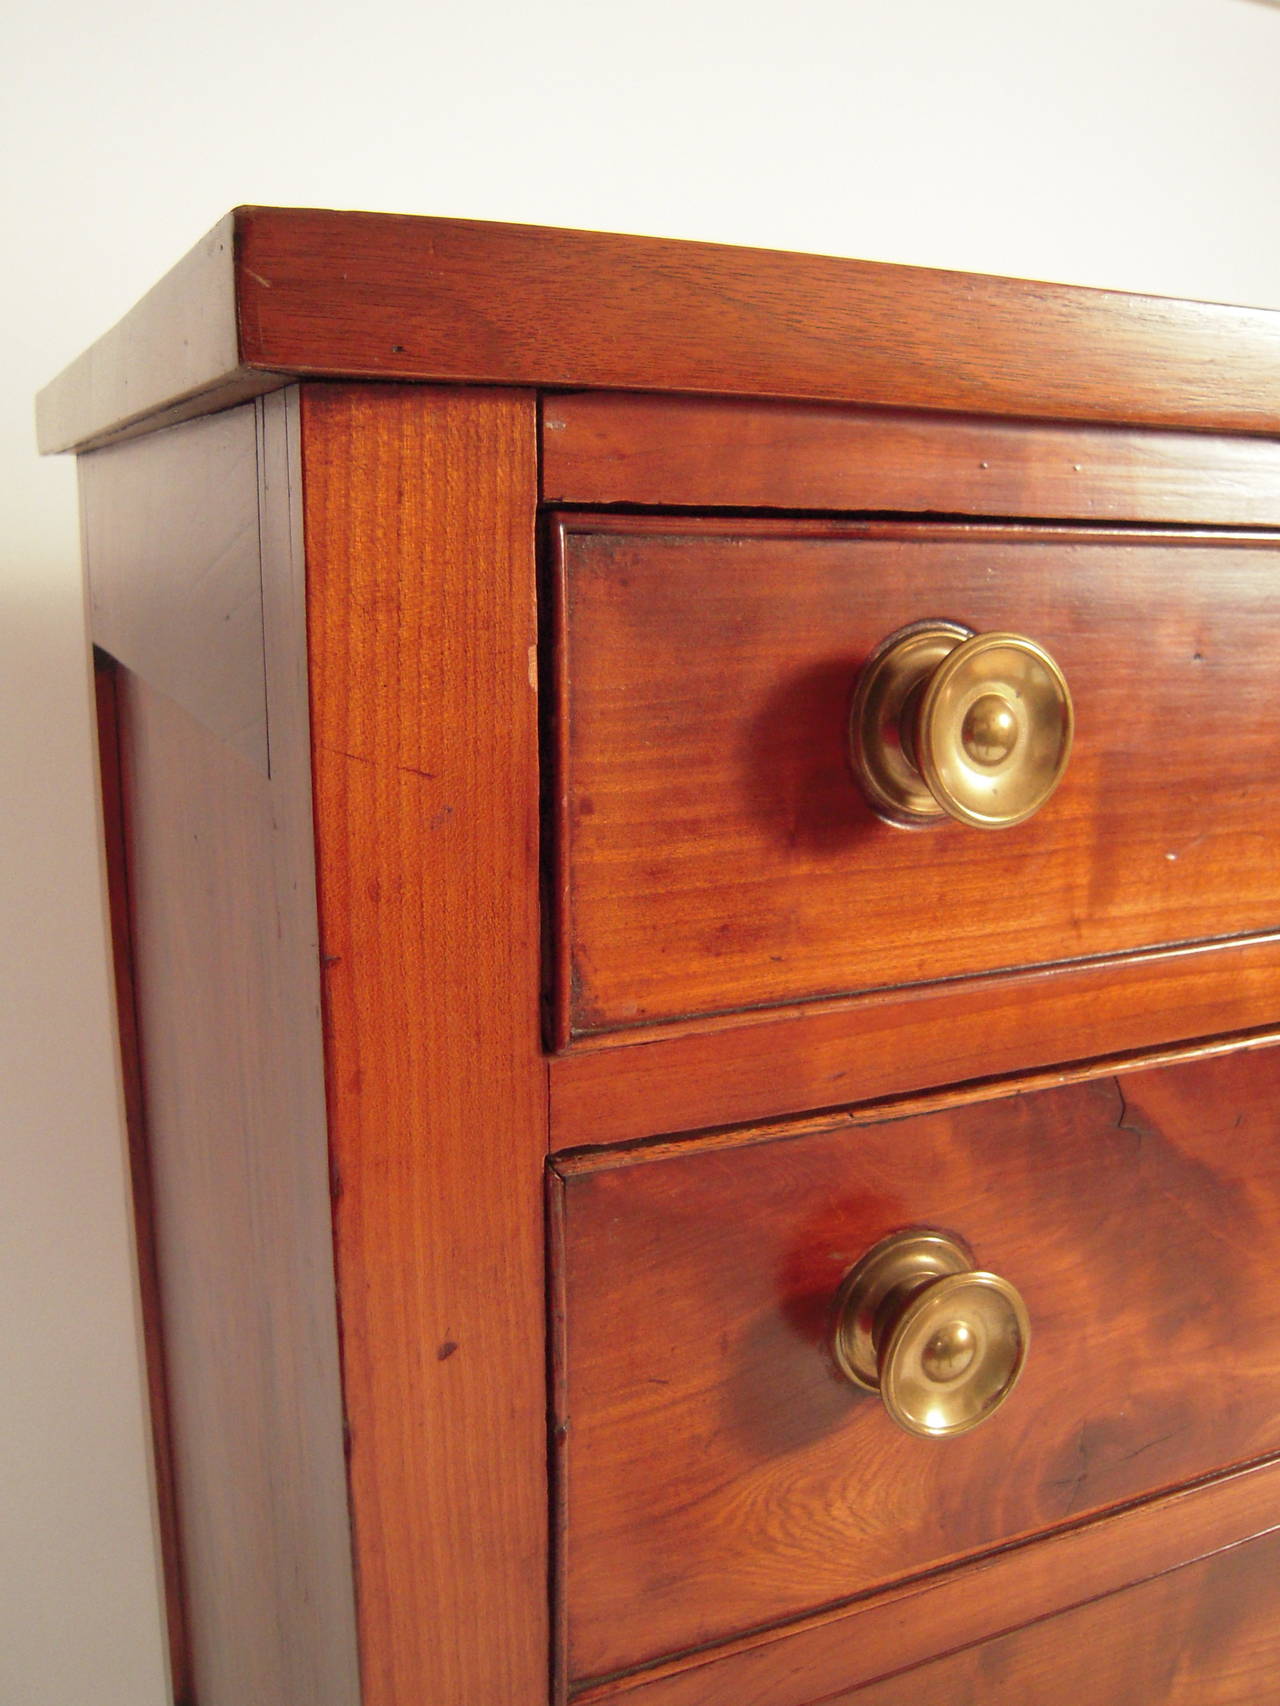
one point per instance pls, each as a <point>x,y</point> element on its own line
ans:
<point>177,341</point>
<point>277,293</point>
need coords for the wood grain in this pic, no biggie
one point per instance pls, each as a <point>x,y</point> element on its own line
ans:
<point>736,945</point>
<point>421,612</point>
<point>381,296</point>
<point>715,852</point>
<point>220,883</point>
<point>175,574</point>
<point>395,297</point>
<point>1206,1635</point>
<point>706,452</point>
<point>797,1663</point>
<point>888,1045</point>
<point>1138,1218</point>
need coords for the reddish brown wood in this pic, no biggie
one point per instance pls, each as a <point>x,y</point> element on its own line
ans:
<point>798,1663</point>
<point>657,1146</point>
<point>702,452</point>
<point>715,852</point>
<point>378,296</point>
<point>453,299</point>
<point>748,1502</point>
<point>861,1051</point>
<point>144,1220</point>
<point>1208,1635</point>
<point>1136,1216</point>
<point>223,932</point>
<point>422,630</point>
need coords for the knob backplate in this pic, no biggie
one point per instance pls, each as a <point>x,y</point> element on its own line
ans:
<point>881,715</point>
<point>890,1272</point>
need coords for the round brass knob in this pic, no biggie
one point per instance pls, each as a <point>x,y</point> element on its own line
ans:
<point>949,723</point>
<point>941,1342</point>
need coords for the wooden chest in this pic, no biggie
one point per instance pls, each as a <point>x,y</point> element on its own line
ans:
<point>629,1210</point>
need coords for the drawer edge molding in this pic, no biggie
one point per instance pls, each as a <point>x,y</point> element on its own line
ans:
<point>807,1060</point>
<point>958,1606</point>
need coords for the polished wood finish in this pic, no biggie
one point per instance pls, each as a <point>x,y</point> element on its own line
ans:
<point>219,879</point>
<point>1206,1635</point>
<point>602,447</point>
<point>1136,1216</point>
<point>380,296</point>
<point>796,1027</point>
<point>175,578</point>
<point>115,846</point>
<point>888,1045</point>
<point>421,621</point>
<point>797,1663</point>
<point>929,1101</point>
<point>715,852</point>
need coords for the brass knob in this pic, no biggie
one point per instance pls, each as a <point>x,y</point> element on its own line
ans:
<point>949,723</point>
<point>941,1342</point>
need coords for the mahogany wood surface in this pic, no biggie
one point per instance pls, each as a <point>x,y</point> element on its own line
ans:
<point>715,852</point>
<point>804,1027</point>
<point>720,1476</point>
<point>226,981</point>
<point>422,624</point>
<point>1206,1635</point>
<point>175,578</point>
<point>706,452</point>
<point>827,1056</point>
<point>381,296</point>
<point>810,1660</point>
<point>144,1216</point>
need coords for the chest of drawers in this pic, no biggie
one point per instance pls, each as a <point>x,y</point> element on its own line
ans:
<point>536,1035</point>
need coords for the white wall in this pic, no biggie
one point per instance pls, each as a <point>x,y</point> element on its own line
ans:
<point>1131,143</point>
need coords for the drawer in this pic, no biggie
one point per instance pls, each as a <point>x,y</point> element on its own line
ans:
<point>719,1476</point>
<point>1204,1635</point>
<point>715,855</point>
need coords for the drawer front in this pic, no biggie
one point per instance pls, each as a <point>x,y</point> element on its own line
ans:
<point>1205,1635</point>
<point>715,853</point>
<point>719,1475</point>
